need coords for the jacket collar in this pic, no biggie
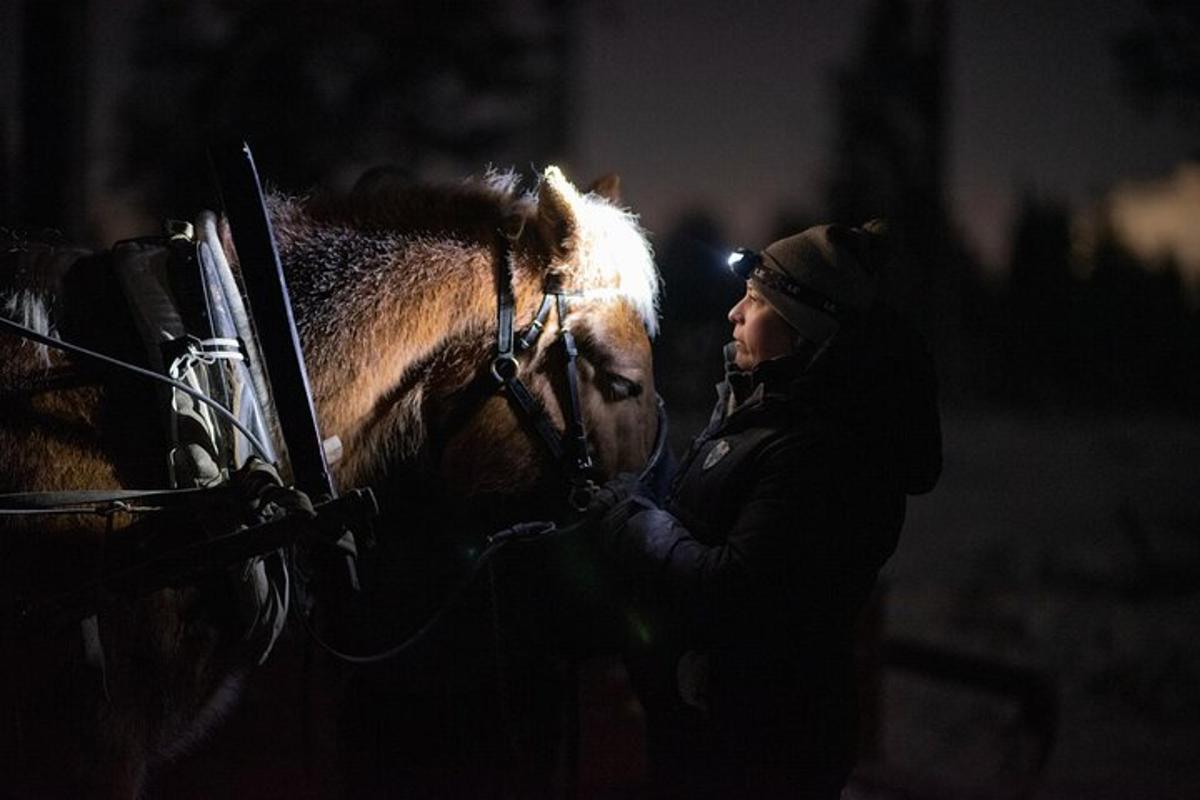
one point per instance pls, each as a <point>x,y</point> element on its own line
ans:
<point>777,380</point>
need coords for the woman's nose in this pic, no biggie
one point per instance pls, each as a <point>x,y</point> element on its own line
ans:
<point>735,313</point>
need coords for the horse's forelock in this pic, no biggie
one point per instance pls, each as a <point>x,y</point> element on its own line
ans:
<point>615,257</point>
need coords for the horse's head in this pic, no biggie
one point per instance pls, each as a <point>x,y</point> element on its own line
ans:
<point>587,247</point>
<point>396,292</point>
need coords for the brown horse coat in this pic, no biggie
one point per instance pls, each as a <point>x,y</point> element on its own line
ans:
<point>394,297</point>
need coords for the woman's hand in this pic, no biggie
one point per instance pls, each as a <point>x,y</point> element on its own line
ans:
<point>615,492</point>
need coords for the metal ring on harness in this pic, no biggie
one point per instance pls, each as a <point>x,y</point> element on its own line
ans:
<point>505,367</point>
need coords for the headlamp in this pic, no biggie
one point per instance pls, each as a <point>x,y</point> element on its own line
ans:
<point>742,262</point>
<point>748,263</point>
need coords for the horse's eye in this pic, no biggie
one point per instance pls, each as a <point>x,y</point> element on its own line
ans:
<point>616,387</point>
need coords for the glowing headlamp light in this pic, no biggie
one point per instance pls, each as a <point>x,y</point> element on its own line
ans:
<point>742,262</point>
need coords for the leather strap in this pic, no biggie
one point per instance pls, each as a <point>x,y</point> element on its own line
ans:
<point>101,501</point>
<point>576,435</point>
<point>569,451</point>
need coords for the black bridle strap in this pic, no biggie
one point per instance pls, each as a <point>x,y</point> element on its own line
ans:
<point>504,366</point>
<point>576,435</point>
<point>535,414</point>
<point>530,337</point>
<point>506,303</point>
<point>571,454</point>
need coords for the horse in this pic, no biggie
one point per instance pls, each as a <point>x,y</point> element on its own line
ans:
<point>394,290</point>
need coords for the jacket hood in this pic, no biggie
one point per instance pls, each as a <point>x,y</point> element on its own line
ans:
<point>879,379</point>
<point>882,373</point>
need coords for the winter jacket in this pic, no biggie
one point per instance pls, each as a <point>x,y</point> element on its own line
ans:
<point>751,574</point>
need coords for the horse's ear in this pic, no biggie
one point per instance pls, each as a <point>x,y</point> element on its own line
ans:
<point>609,187</point>
<point>557,221</point>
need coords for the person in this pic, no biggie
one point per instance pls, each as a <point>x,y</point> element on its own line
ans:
<point>749,574</point>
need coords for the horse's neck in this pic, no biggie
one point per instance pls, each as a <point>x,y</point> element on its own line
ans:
<point>371,307</point>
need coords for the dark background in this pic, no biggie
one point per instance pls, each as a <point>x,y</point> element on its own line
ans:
<point>1040,163</point>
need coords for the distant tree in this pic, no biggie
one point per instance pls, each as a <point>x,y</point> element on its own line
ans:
<point>325,87</point>
<point>1159,59</point>
<point>1040,302</point>
<point>889,159</point>
<point>47,185</point>
<point>891,117</point>
<point>1144,350</point>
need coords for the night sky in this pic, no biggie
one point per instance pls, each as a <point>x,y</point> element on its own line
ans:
<point>728,107</point>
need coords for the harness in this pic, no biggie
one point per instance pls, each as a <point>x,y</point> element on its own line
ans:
<point>212,360</point>
<point>196,368</point>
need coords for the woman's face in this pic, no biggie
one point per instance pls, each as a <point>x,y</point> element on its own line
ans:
<point>759,332</point>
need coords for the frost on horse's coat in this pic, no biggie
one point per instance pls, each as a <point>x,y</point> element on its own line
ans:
<point>394,295</point>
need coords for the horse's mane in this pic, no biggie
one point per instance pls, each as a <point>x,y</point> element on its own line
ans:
<point>473,205</point>
<point>615,249</point>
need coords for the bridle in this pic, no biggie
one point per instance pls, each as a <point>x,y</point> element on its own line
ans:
<point>570,448</point>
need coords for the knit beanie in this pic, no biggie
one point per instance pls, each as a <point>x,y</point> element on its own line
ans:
<point>822,278</point>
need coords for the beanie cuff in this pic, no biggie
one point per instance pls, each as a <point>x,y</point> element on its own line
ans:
<point>811,323</point>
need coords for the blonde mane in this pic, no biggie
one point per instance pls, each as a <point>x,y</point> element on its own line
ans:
<point>617,260</point>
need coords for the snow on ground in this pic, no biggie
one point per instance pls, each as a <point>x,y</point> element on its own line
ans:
<point>1072,547</point>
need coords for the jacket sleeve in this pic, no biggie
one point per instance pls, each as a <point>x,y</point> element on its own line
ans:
<point>779,553</point>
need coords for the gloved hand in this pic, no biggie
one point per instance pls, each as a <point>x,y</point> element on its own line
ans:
<point>615,502</point>
<point>615,492</point>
